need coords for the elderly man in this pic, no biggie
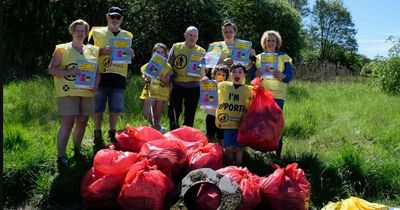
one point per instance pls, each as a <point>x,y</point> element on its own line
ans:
<point>186,88</point>
<point>113,75</point>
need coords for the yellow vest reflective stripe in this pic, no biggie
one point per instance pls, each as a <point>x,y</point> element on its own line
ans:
<point>277,87</point>
<point>158,90</point>
<point>232,104</point>
<point>102,37</point>
<point>65,86</point>
<point>181,61</point>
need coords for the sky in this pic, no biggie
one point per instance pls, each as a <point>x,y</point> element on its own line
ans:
<point>375,21</point>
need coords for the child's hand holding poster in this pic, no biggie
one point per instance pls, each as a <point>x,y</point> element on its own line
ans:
<point>208,94</point>
<point>195,64</point>
<point>213,55</point>
<point>269,64</point>
<point>241,52</point>
<point>120,48</point>
<point>155,66</point>
<point>86,79</point>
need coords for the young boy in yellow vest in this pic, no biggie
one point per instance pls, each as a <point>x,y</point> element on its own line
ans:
<point>234,99</point>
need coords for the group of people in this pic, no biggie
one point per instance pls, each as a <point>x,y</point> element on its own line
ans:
<point>173,85</point>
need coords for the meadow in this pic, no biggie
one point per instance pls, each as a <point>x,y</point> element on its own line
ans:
<point>343,133</point>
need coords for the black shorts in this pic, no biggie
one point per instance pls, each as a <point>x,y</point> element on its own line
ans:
<point>212,130</point>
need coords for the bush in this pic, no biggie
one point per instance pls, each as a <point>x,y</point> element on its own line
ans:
<point>388,75</point>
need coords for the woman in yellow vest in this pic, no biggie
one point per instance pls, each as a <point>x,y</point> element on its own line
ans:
<point>234,99</point>
<point>75,105</point>
<point>271,42</point>
<point>156,91</point>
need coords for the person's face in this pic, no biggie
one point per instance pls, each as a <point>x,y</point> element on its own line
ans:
<point>228,32</point>
<point>114,21</point>
<point>79,33</point>
<point>161,51</point>
<point>220,75</point>
<point>191,38</point>
<point>271,43</point>
<point>237,75</point>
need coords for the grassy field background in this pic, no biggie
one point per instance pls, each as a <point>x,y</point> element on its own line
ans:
<point>344,135</point>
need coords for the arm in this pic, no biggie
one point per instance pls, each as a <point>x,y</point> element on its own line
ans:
<point>55,63</point>
<point>288,73</point>
<point>171,57</point>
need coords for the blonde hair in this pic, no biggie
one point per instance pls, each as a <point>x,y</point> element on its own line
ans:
<point>163,46</point>
<point>265,37</point>
<point>73,25</point>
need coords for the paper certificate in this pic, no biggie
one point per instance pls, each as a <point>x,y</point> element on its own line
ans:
<point>213,55</point>
<point>194,64</point>
<point>155,66</point>
<point>241,52</point>
<point>269,64</point>
<point>120,48</point>
<point>208,94</point>
<point>86,79</point>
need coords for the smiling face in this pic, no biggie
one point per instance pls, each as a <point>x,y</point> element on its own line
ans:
<point>237,75</point>
<point>114,22</point>
<point>271,42</point>
<point>79,33</point>
<point>191,37</point>
<point>228,32</point>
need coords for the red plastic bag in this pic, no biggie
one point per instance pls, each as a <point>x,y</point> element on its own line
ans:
<point>190,137</point>
<point>100,190</point>
<point>247,182</point>
<point>145,188</point>
<point>286,188</point>
<point>263,122</point>
<point>208,156</point>
<point>107,161</point>
<point>133,138</point>
<point>169,155</point>
<point>208,197</point>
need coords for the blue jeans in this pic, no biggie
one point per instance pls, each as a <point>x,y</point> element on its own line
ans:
<point>114,96</point>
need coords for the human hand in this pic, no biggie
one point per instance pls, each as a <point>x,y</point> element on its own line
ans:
<point>131,52</point>
<point>73,72</point>
<point>252,52</point>
<point>278,75</point>
<point>107,50</point>
<point>228,61</point>
<point>205,78</point>
<point>258,73</point>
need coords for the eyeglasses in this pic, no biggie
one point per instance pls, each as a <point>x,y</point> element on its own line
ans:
<point>115,17</point>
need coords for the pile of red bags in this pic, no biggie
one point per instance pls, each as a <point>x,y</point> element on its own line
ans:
<point>263,122</point>
<point>137,171</point>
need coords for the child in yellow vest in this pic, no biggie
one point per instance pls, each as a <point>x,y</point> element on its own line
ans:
<point>234,99</point>
<point>156,91</point>
<point>220,73</point>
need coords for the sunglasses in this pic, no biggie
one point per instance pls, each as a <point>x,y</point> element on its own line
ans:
<point>115,17</point>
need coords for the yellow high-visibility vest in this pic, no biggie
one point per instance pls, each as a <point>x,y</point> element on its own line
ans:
<point>65,86</point>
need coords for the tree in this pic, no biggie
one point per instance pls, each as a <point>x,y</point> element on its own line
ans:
<point>301,6</point>
<point>331,26</point>
<point>395,49</point>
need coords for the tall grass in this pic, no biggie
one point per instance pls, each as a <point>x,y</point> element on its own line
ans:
<point>343,134</point>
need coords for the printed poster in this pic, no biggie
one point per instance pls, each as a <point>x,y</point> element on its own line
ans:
<point>120,49</point>
<point>195,64</point>
<point>87,78</point>
<point>269,64</point>
<point>241,52</point>
<point>155,66</point>
<point>208,94</point>
<point>213,55</point>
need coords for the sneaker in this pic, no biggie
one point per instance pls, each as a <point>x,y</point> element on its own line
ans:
<point>62,161</point>
<point>111,135</point>
<point>162,130</point>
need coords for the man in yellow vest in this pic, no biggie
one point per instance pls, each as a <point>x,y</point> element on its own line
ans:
<point>113,75</point>
<point>186,89</point>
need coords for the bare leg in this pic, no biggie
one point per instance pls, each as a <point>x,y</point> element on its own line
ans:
<point>67,122</point>
<point>158,106</point>
<point>146,111</point>
<point>98,120</point>
<point>79,130</point>
<point>114,117</point>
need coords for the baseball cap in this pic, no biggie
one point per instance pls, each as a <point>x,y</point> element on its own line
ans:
<point>115,11</point>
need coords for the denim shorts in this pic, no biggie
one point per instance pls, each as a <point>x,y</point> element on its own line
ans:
<point>114,96</point>
<point>231,138</point>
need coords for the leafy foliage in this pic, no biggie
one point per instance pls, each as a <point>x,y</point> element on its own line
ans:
<point>387,74</point>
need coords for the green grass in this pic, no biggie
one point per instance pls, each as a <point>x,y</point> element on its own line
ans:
<point>343,135</point>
